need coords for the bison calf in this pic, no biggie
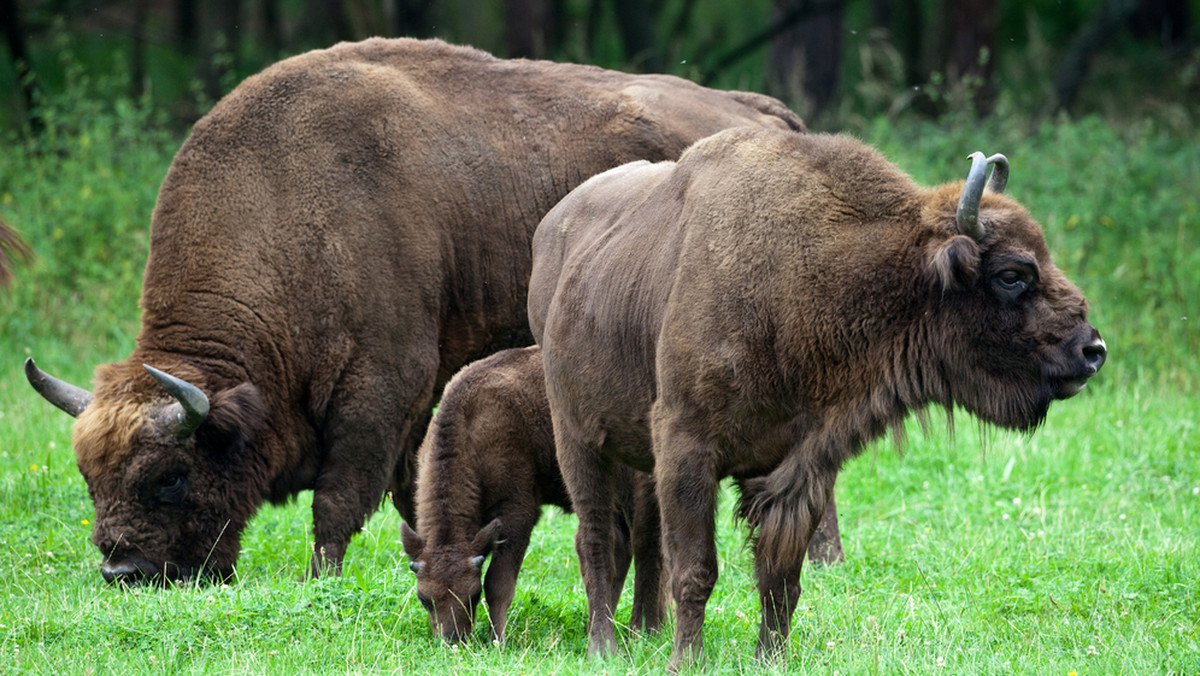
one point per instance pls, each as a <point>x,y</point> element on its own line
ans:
<point>763,308</point>
<point>485,469</point>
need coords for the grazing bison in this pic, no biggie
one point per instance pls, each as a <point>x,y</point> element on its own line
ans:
<point>763,308</point>
<point>485,469</point>
<point>336,238</point>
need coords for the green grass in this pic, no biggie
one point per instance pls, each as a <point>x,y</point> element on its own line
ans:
<point>1073,549</point>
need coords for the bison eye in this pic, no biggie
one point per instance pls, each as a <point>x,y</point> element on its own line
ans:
<point>1010,284</point>
<point>171,487</point>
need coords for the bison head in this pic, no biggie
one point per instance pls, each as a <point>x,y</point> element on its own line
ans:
<point>168,468</point>
<point>448,578</point>
<point>1014,330</point>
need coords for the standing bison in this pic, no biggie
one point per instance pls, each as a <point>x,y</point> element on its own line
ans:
<point>763,308</point>
<point>485,469</point>
<point>336,238</point>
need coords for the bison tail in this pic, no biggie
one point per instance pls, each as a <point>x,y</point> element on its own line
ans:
<point>783,508</point>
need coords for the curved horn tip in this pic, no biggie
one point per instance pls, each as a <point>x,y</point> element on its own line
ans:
<point>999,178</point>
<point>967,215</point>
<point>193,402</point>
<point>67,397</point>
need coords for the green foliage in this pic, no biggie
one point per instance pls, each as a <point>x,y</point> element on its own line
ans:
<point>81,195</point>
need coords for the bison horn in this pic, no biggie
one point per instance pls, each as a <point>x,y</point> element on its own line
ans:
<point>968,203</point>
<point>193,404</point>
<point>62,394</point>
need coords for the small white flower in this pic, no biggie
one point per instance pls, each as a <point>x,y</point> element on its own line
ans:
<point>1016,502</point>
<point>1091,650</point>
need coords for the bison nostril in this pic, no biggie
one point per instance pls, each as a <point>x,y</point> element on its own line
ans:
<point>1095,353</point>
<point>123,573</point>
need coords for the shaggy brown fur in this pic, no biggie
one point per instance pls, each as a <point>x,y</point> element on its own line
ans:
<point>343,232</point>
<point>486,467</point>
<point>762,309</point>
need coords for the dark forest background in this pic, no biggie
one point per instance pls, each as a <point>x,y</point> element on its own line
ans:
<point>837,62</point>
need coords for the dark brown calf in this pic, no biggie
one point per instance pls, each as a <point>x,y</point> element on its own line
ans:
<point>485,469</point>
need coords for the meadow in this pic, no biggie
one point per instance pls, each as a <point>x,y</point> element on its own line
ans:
<point>1072,550</point>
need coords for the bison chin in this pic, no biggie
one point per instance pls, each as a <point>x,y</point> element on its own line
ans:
<point>136,570</point>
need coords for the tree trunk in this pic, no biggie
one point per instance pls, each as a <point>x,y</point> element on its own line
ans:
<point>530,28</point>
<point>272,28</point>
<point>806,59</point>
<point>188,25</point>
<point>220,46</point>
<point>1166,21</point>
<point>903,23</point>
<point>636,23</point>
<point>1107,20</point>
<point>412,18</point>
<point>14,34</point>
<point>970,48</point>
<point>137,75</point>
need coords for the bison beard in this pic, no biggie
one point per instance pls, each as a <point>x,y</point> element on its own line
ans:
<point>763,308</point>
<point>339,235</point>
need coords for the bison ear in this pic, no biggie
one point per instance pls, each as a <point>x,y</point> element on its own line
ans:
<point>954,263</point>
<point>413,543</point>
<point>487,538</point>
<point>235,416</point>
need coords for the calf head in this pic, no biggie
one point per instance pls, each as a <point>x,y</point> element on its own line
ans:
<point>1011,331</point>
<point>448,577</point>
<point>169,469</point>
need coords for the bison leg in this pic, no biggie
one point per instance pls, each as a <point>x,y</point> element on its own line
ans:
<point>687,489</point>
<point>648,606</point>
<point>825,547</point>
<point>363,438</point>
<point>778,557</point>
<point>590,483</point>
<point>622,552</point>
<point>500,583</point>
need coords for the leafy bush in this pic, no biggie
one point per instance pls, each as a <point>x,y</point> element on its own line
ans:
<point>81,194</point>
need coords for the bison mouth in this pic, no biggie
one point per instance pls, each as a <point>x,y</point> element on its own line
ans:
<point>137,570</point>
<point>1065,388</point>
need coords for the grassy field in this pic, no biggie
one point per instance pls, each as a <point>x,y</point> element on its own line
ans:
<point>1069,551</point>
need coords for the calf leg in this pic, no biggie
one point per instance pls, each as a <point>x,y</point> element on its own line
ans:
<point>500,583</point>
<point>648,605</point>
<point>622,553</point>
